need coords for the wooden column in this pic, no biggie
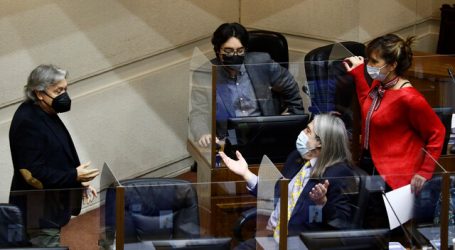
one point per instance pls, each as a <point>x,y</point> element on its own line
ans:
<point>283,244</point>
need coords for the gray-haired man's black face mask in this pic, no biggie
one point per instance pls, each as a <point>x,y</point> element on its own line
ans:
<point>60,103</point>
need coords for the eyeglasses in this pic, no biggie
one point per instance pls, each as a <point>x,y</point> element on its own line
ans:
<point>232,52</point>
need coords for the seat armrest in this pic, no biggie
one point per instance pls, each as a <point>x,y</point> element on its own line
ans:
<point>244,218</point>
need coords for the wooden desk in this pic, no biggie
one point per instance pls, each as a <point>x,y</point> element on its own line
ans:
<point>222,195</point>
<point>428,73</point>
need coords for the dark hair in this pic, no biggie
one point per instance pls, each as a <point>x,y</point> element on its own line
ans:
<point>393,48</point>
<point>226,31</point>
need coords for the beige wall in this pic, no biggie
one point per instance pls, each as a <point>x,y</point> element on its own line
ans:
<point>129,60</point>
<point>340,20</point>
<point>128,63</point>
<point>87,37</point>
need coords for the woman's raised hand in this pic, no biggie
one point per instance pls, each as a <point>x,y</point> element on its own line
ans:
<point>352,62</point>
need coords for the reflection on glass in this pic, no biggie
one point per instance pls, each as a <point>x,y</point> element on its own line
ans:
<point>257,88</point>
<point>160,213</point>
<point>432,75</point>
<point>200,106</point>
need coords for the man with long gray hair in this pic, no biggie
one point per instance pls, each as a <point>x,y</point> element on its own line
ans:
<point>45,158</point>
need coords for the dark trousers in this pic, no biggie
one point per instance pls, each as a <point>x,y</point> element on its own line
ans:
<point>376,214</point>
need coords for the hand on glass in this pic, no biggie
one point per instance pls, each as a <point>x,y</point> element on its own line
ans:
<point>89,193</point>
<point>318,193</point>
<point>85,174</point>
<point>239,167</point>
<point>352,62</point>
<point>206,139</point>
<point>417,182</point>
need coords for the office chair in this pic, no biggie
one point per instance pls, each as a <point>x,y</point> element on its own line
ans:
<point>445,115</point>
<point>271,42</point>
<point>331,88</point>
<point>155,209</point>
<point>12,228</point>
<point>359,198</point>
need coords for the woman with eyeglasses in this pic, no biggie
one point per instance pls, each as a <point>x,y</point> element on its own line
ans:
<point>321,174</point>
<point>247,84</point>
<point>400,132</point>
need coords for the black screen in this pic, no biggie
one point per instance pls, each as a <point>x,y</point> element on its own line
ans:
<point>274,136</point>
<point>193,244</point>
<point>351,239</point>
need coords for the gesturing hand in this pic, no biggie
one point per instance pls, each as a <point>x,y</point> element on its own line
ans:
<point>89,193</point>
<point>205,140</point>
<point>239,167</point>
<point>318,193</point>
<point>84,174</point>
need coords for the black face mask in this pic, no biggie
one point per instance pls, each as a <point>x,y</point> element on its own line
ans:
<point>61,103</point>
<point>233,62</point>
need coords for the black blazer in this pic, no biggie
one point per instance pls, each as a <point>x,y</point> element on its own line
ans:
<point>274,86</point>
<point>41,144</point>
<point>336,213</point>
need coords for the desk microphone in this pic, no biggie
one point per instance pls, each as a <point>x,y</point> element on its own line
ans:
<point>408,237</point>
<point>451,75</point>
<point>305,90</point>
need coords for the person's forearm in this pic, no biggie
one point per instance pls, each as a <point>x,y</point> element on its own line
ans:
<point>251,180</point>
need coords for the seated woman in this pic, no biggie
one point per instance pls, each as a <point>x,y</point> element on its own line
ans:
<point>315,199</point>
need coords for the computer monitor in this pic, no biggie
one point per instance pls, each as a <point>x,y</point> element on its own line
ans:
<point>350,239</point>
<point>193,244</point>
<point>274,136</point>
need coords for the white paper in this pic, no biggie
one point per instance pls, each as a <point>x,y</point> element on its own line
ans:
<point>402,202</point>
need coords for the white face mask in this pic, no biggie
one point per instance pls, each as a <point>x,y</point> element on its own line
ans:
<point>302,144</point>
<point>375,73</point>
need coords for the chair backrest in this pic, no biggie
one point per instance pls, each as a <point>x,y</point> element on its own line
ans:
<point>327,78</point>
<point>445,114</point>
<point>12,228</point>
<point>156,209</point>
<point>360,200</point>
<point>271,42</point>
<point>332,89</point>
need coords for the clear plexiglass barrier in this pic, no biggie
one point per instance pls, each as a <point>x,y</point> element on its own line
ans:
<point>260,107</point>
<point>361,210</point>
<point>258,110</point>
<point>261,103</point>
